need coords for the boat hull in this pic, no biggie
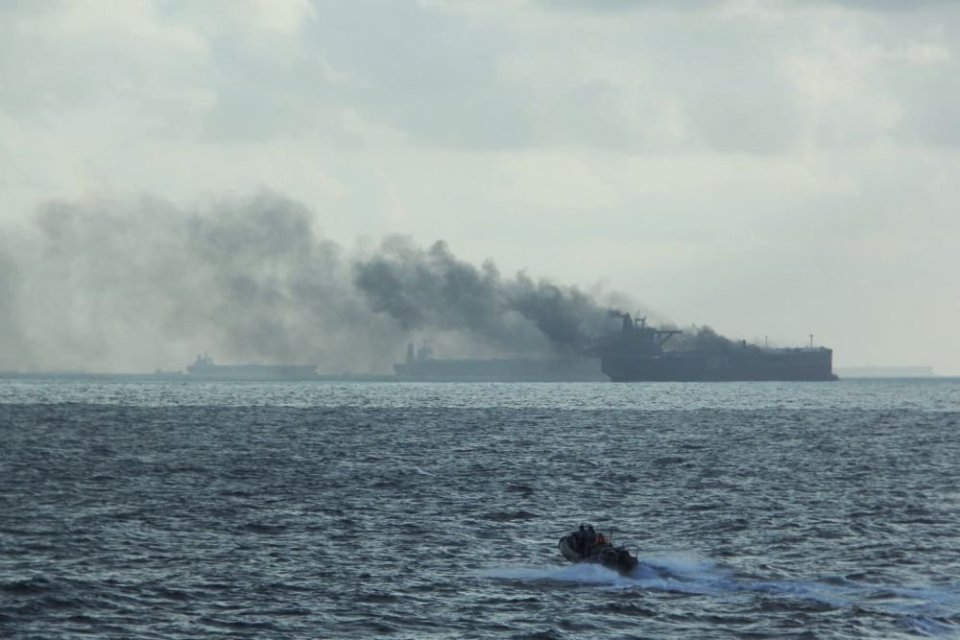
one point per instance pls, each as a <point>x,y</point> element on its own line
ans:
<point>614,558</point>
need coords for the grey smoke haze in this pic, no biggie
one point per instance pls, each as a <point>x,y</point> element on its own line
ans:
<point>108,284</point>
<point>103,284</point>
<point>699,339</point>
<point>433,289</point>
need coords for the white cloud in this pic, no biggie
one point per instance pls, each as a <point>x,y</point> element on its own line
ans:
<point>696,156</point>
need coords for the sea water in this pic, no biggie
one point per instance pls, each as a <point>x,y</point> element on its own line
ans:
<point>150,508</point>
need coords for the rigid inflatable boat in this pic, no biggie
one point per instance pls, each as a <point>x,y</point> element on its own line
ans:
<point>586,544</point>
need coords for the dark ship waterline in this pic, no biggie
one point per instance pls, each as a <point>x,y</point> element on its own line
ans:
<point>638,354</point>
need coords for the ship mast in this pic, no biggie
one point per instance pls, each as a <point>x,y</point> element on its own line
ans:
<point>660,335</point>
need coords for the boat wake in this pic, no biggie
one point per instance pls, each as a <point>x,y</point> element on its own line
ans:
<point>926,610</point>
<point>675,573</point>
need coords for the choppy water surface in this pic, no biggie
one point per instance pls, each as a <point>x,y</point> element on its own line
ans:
<point>157,509</point>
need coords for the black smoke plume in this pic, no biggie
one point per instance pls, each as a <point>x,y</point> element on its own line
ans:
<point>702,339</point>
<point>131,285</point>
<point>432,289</point>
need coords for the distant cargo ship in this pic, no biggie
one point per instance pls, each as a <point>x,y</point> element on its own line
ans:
<point>638,354</point>
<point>205,367</point>
<point>420,366</point>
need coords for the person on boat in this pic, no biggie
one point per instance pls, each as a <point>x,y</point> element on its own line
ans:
<point>587,539</point>
<point>583,539</point>
<point>586,544</point>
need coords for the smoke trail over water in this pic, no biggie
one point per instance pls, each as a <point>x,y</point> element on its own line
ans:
<point>104,284</point>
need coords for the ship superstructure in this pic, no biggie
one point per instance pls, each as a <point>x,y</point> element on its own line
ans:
<point>638,354</point>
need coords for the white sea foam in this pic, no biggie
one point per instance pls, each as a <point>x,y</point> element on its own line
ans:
<point>922,608</point>
<point>678,573</point>
<point>574,573</point>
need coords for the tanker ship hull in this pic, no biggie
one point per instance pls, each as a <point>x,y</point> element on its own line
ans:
<point>691,367</point>
<point>501,370</point>
<point>205,368</point>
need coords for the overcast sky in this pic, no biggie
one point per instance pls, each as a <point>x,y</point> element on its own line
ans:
<point>766,168</point>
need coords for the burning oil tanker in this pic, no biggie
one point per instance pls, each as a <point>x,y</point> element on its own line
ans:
<point>638,354</point>
<point>634,354</point>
